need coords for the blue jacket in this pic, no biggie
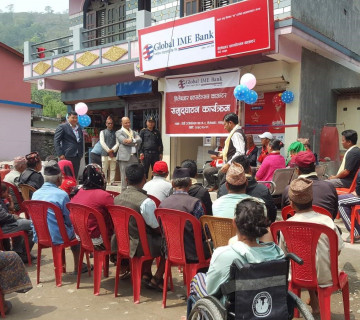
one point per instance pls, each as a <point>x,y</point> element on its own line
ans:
<point>65,141</point>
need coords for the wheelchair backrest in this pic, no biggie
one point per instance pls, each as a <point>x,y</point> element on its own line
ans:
<point>258,290</point>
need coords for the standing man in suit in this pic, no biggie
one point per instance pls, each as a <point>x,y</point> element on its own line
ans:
<point>129,142</point>
<point>68,141</point>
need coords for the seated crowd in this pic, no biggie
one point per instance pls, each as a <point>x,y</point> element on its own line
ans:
<point>241,197</point>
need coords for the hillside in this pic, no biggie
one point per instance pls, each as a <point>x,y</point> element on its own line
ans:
<point>18,27</point>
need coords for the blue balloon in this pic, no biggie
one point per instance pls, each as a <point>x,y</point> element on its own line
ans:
<point>251,97</point>
<point>84,120</point>
<point>241,91</point>
<point>287,96</point>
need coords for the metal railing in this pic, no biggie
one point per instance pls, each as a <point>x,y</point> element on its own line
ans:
<point>100,35</point>
<point>51,47</point>
<point>113,32</point>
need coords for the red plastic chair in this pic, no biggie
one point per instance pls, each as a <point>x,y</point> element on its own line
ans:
<point>14,235</point>
<point>288,211</point>
<point>348,190</point>
<point>301,239</point>
<point>17,194</point>
<point>38,211</point>
<point>173,223</point>
<point>354,216</point>
<point>156,200</point>
<point>114,194</point>
<point>121,216</point>
<point>79,215</point>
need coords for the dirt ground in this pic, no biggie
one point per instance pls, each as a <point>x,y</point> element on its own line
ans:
<point>46,301</point>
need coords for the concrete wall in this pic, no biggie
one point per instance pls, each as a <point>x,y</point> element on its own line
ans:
<point>12,86</point>
<point>43,142</point>
<point>338,20</point>
<point>318,103</point>
<point>14,131</point>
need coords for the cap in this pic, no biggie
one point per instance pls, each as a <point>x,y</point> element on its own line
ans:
<point>236,174</point>
<point>267,135</point>
<point>301,191</point>
<point>160,167</point>
<point>304,159</point>
<point>181,173</point>
<point>150,119</point>
<point>51,168</point>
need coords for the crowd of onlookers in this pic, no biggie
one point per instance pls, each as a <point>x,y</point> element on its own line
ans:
<point>241,196</point>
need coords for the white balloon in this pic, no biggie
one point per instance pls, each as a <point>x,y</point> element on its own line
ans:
<point>249,80</point>
<point>81,108</point>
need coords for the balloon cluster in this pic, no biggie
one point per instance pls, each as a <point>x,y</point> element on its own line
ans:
<point>287,96</point>
<point>243,91</point>
<point>81,109</point>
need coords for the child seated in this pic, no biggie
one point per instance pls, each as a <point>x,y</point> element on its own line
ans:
<point>6,199</point>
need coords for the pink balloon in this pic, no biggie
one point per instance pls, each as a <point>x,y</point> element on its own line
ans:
<point>81,108</point>
<point>249,80</point>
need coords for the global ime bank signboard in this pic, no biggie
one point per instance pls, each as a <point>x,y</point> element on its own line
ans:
<point>239,29</point>
<point>195,104</point>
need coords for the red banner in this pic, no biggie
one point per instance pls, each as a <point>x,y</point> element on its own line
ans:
<point>242,28</point>
<point>197,104</point>
<point>266,114</point>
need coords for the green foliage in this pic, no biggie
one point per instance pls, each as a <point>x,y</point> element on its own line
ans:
<point>18,27</point>
<point>52,105</point>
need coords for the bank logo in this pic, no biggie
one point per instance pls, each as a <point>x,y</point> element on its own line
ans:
<point>262,304</point>
<point>148,52</point>
<point>181,84</point>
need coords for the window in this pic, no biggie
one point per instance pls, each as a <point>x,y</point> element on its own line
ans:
<point>107,20</point>
<point>195,6</point>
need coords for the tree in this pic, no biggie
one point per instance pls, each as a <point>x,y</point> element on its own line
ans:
<point>48,9</point>
<point>10,7</point>
<point>51,102</point>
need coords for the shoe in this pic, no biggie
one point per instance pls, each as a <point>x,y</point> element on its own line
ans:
<point>356,239</point>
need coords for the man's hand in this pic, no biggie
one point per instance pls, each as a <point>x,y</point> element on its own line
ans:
<point>127,141</point>
<point>111,154</point>
<point>225,168</point>
<point>141,156</point>
<point>332,177</point>
<point>62,157</point>
<point>160,156</point>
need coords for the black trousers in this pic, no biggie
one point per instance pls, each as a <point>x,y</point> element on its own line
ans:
<point>150,159</point>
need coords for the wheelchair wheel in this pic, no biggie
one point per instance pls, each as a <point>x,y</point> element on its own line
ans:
<point>207,309</point>
<point>301,306</point>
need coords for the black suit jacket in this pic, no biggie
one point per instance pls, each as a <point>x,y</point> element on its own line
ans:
<point>65,141</point>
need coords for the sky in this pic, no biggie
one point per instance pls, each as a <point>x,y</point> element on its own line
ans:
<point>34,5</point>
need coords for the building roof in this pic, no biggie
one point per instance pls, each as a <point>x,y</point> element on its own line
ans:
<point>19,54</point>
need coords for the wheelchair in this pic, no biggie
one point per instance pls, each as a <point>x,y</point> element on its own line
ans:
<point>249,296</point>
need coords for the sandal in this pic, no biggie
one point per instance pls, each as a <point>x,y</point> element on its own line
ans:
<point>84,269</point>
<point>124,273</point>
<point>146,279</point>
<point>156,284</point>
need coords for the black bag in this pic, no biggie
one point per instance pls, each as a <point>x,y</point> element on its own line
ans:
<point>259,290</point>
